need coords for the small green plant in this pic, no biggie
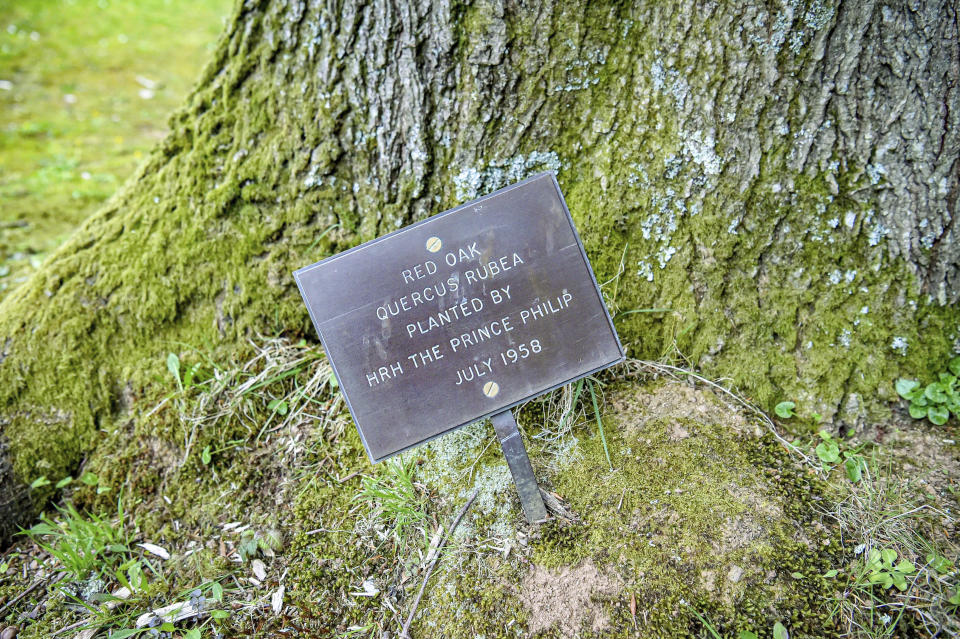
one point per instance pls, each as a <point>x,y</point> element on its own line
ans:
<point>935,401</point>
<point>882,571</point>
<point>130,575</point>
<point>278,406</point>
<point>940,563</point>
<point>252,542</point>
<point>249,545</point>
<point>173,365</point>
<point>785,410</point>
<point>830,451</point>
<point>86,544</point>
<point>779,630</point>
<point>394,497</point>
<point>194,375</point>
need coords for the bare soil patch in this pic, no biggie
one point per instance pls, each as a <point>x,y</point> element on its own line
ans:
<point>565,598</point>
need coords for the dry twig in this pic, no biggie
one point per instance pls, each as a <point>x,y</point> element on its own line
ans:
<point>405,633</point>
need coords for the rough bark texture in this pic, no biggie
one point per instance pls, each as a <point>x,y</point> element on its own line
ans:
<point>783,177</point>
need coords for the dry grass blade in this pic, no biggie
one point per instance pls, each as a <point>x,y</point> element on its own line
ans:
<point>887,513</point>
<point>560,412</point>
<point>283,384</point>
<point>277,359</point>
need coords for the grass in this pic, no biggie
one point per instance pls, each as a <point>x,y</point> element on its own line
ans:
<point>84,545</point>
<point>779,630</point>
<point>214,406</point>
<point>396,501</point>
<point>885,514</point>
<point>223,406</point>
<point>563,409</point>
<point>85,90</point>
<point>610,297</point>
<point>596,413</point>
<point>98,562</point>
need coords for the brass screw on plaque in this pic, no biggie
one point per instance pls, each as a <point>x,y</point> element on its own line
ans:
<point>434,244</point>
<point>490,389</point>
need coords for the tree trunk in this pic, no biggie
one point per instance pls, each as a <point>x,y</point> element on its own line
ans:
<point>782,177</point>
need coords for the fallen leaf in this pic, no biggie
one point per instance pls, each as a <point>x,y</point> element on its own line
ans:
<point>173,613</point>
<point>369,589</point>
<point>153,549</point>
<point>434,542</point>
<point>146,82</point>
<point>276,600</point>
<point>120,594</point>
<point>259,570</point>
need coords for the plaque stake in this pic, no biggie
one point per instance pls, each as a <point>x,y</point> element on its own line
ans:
<point>516,454</point>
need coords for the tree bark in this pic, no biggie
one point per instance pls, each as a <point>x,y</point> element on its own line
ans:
<point>782,176</point>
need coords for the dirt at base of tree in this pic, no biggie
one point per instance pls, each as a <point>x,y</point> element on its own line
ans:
<point>565,597</point>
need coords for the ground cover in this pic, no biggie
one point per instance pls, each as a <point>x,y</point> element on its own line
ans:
<point>86,88</point>
<point>241,493</point>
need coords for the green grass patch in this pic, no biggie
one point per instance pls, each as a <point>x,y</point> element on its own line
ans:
<point>85,90</point>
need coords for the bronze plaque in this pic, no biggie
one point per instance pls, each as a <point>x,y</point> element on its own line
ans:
<point>460,316</point>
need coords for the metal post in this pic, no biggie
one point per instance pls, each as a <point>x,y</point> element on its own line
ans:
<point>520,468</point>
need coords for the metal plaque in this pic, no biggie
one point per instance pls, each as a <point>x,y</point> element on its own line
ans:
<point>460,316</point>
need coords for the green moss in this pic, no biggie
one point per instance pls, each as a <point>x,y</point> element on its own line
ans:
<point>489,609</point>
<point>781,302</point>
<point>693,501</point>
<point>697,492</point>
